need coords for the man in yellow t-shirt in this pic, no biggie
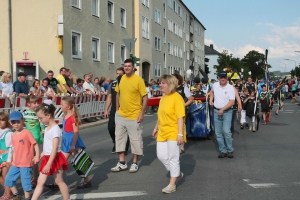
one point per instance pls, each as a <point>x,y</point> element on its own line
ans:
<point>131,103</point>
<point>64,88</point>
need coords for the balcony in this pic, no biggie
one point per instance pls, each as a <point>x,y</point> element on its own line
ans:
<point>191,30</point>
<point>191,46</point>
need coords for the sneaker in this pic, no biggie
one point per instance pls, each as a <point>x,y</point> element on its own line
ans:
<point>250,129</point>
<point>263,122</point>
<point>253,130</point>
<point>247,125</point>
<point>113,150</point>
<point>179,177</point>
<point>19,197</point>
<point>133,168</point>
<point>119,167</point>
<point>268,121</point>
<point>222,155</point>
<point>242,126</point>
<point>169,189</point>
<point>52,186</point>
<point>84,185</point>
<point>6,197</point>
<point>230,154</point>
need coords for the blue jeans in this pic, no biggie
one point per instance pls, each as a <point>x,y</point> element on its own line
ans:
<point>222,130</point>
<point>232,120</point>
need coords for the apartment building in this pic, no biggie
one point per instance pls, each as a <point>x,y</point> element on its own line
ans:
<point>87,36</point>
<point>174,35</point>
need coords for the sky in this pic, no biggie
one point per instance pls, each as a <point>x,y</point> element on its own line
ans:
<point>240,26</point>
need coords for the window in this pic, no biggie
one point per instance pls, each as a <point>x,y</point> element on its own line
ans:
<point>76,45</point>
<point>110,11</point>
<point>157,16</point>
<point>165,63</point>
<point>157,44</point>
<point>95,8</point>
<point>76,3</point>
<point>110,52</point>
<point>146,3</point>
<point>165,37</point>
<point>123,17</point>
<point>170,25</point>
<point>157,70</point>
<point>188,55</point>
<point>170,3</point>
<point>96,48</point>
<point>164,7</point>
<point>123,54</point>
<point>180,11</point>
<point>145,27</point>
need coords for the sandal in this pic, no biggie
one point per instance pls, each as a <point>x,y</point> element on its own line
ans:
<point>52,186</point>
<point>84,185</point>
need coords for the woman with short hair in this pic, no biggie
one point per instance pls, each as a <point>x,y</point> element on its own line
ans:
<point>168,130</point>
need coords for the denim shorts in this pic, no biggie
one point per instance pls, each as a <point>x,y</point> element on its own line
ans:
<point>13,175</point>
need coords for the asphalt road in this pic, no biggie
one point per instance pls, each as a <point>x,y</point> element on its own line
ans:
<point>266,166</point>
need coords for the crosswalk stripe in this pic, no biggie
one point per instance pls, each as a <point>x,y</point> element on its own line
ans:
<point>97,195</point>
<point>264,185</point>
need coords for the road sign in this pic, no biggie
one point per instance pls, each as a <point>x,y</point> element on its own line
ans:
<point>129,43</point>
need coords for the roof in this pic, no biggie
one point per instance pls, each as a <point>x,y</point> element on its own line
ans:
<point>192,14</point>
<point>209,50</point>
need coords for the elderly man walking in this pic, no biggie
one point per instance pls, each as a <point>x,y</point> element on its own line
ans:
<point>222,98</point>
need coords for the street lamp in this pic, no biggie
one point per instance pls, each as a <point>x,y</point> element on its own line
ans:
<point>295,64</point>
<point>284,64</point>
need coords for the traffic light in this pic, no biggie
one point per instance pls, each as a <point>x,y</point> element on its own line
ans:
<point>206,68</point>
<point>136,60</point>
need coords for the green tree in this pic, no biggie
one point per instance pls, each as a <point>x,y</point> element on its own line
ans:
<point>292,72</point>
<point>255,63</point>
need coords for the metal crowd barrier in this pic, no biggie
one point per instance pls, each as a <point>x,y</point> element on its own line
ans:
<point>87,105</point>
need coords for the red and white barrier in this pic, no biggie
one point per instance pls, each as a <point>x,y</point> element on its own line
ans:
<point>87,105</point>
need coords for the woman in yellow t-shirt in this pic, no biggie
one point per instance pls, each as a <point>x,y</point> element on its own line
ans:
<point>169,129</point>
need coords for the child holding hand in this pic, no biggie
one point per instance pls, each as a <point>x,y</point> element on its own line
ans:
<point>53,161</point>
<point>21,156</point>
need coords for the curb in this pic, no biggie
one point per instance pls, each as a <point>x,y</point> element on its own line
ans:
<point>93,124</point>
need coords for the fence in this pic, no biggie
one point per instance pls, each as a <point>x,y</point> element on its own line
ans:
<point>87,105</point>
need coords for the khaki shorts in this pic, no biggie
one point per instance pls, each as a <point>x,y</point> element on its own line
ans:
<point>127,127</point>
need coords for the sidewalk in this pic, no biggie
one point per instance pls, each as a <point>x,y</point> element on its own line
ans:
<point>93,124</point>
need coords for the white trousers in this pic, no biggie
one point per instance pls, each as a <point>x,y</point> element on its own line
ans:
<point>168,153</point>
<point>243,117</point>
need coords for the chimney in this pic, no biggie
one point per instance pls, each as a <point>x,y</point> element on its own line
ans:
<point>211,46</point>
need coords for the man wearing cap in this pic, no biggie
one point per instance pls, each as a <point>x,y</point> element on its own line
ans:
<point>20,86</point>
<point>222,99</point>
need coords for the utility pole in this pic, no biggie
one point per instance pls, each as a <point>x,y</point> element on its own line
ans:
<point>9,37</point>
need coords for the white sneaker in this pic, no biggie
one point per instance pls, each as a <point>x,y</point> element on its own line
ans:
<point>133,168</point>
<point>119,167</point>
<point>250,129</point>
<point>169,189</point>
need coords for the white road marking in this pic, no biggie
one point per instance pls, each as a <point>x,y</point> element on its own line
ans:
<point>264,185</point>
<point>97,195</point>
<point>288,112</point>
<point>246,180</point>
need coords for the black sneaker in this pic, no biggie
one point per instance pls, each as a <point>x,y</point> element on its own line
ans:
<point>242,126</point>
<point>113,150</point>
<point>247,125</point>
<point>230,155</point>
<point>222,155</point>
